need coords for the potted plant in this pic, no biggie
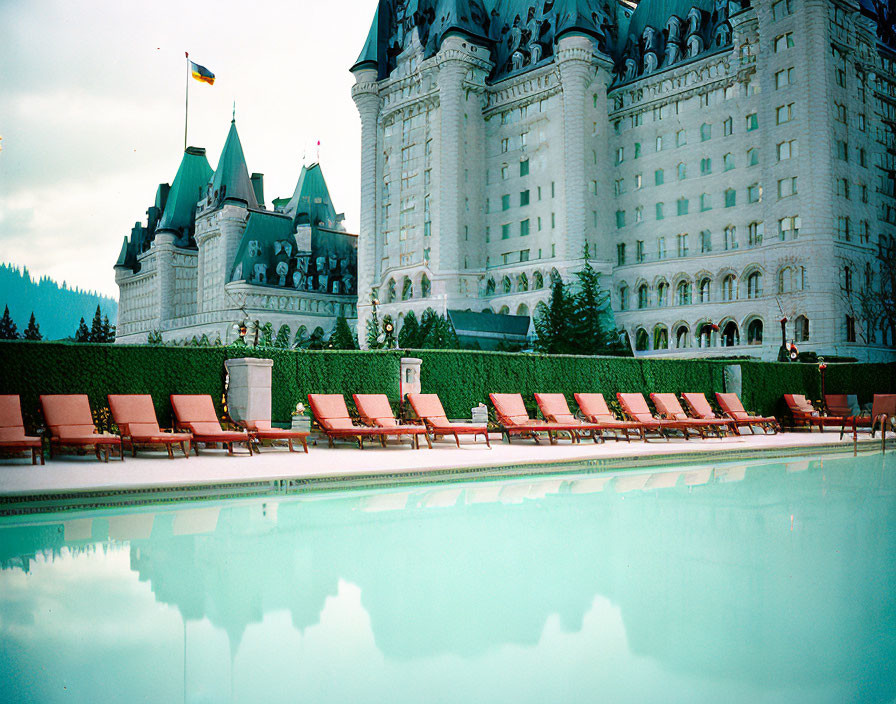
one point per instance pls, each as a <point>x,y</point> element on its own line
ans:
<point>300,421</point>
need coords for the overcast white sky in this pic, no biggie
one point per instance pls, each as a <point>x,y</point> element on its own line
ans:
<point>92,112</point>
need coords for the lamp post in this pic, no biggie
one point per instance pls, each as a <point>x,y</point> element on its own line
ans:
<point>783,353</point>
<point>821,367</point>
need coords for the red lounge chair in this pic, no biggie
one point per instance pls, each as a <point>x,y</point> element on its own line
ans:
<point>635,407</point>
<point>332,415</point>
<point>555,409</point>
<point>428,408</point>
<point>70,423</point>
<point>375,411</point>
<point>734,409</point>
<point>135,417</point>
<point>12,430</point>
<point>595,409</point>
<point>804,412</point>
<point>838,405</point>
<point>514,420</point>
<point>668,406</point>
<point>263,430</point>
<point>196,413</point>
<point>701,409</point>
<point>883,408</point>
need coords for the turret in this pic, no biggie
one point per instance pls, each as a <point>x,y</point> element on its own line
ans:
<point>179,203</point>
<point>231,182</point>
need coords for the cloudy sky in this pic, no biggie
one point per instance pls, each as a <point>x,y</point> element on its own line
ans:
<point>92,113</point>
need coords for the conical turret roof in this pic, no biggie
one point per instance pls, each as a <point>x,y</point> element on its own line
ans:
<point>310,203</point>
<point>231,180</point>
<point>188,188</point>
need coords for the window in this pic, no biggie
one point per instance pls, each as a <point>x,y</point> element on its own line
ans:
<point>705,202</point>
<point>864,231</point>
<point>552,189</point>
<point>783,78</point>
<point>620,155</point>
<point>786,150</point>
<point>660,338</point>
<point>524,257</point>
<point>618,186</point>
<point>638,182</point>
<point>682,245</point>
<point>801,329</point>
<point>682,206</point>
<point>659,211</point>
<point>789,227</point>
<point>755,231</point>
<point>730,237</point>
<point>860,122</point>
<point>524,227</point>
<point>784,113</point>
<point>754,285</point>
<point>505,145</point>
<point>730,197</point>
<point>639,214</point>
<point>842,150</point>
<point>783,42</point>
<point>728,126</point>
<point>524,167</point>
<point>623,297</point>
<point>683,293</point>
<point>787,187</point>
<point>637,119</point>
<point>659,177</point>
<point>682,171</point>
<point>754,332</point>
<point>705,166</point>
<point>681,337</point>
<point>524,139</point>
<point>661,248</point>
<point>620,254</point>
<point>841,187</point>
<point>505,173</point>
<point>840,112</point>
<point>524,197</point>
<point>705,241</point>
<point>752,122</point>
<point>752,157</point>
<point>843,229</point>
<point>754,193</point>
<point>659,143</point>
<point>704,289</point>
<point>639,251</point>
<point>850,329</point>
<point>681,138</point>
<point>862,157</point>
<point>505,202</point>
<point>620,218</point>
<point>728,288</point>
<point>637,150</point>
<point>781,9</point>
<point>662,295</point>
<point>705,132</point>
<point>643,296</point>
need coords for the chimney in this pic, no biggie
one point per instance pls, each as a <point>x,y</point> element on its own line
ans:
<point>258,187</point>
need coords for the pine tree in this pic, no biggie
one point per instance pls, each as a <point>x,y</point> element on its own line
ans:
<point>283,335</point>
<point>32,332</point>
<point>591,321</point>
<point>266,339</point>
<point>96,328</point>
<point>436,332</point>
<point>316,340</point>
<point>301,338</point>
<point>409,335</point>
<point>108,330</point>
<point>8,330</point>
<point>372,331</point>
<point>342,338</point>
<point>83,334</point>
<point>553,328</point>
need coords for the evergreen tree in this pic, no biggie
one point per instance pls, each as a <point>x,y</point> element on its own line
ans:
<point>372,331</point>
<point>437,332</point>
<point>316,340</point>
<point>342,338</point>
<point>108,330</point>
<point>283,335</point>
<point>96,328</point>
<point>591,324</point>
<point>553,328</point>
<point>8,330</point>
<point>409,335</point>
<point>266,339</point>
<point>83,334</point>
<point>301,338</point>
<point>32,332</point>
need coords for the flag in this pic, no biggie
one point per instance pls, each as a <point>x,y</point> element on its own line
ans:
<point>201,73</point>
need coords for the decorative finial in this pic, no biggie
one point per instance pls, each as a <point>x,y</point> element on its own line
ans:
<point>233,119</point>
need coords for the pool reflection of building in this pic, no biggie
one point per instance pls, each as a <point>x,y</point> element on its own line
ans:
<point>688,558</point>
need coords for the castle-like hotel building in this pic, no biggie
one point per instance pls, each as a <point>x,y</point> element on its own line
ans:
<point>727,163</point>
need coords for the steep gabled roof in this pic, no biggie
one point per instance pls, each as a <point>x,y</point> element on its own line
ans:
<point>310,203</point>
<point>265,229</point>
<point>188,188</point>
<point>231,180</point>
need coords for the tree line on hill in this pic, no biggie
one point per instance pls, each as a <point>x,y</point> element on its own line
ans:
<point>101,330</point>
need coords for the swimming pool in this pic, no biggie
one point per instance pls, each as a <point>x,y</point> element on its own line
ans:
<point>762,581</point>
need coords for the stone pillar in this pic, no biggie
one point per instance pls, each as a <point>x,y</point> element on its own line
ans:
<point>164,246</point>
<point>249,391</point>
<point>365,93</point>
<point>409,383</point>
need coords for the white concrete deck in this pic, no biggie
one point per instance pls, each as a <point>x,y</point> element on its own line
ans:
<point>345,465</point>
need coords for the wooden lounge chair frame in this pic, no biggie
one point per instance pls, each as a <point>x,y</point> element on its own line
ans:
<point>594,408</point>
<point>803,413</point>
<point>428,408</point>
<point>554,408</point>
<point>135,416</point>
<point>669,407</point>
<point>883,408</point>
<point>374,410</point>
<point>332,416</point>
<point>263,430</point>
<point>511,412</point>
<point>732,407</point>
<point>70,424</point>
<point>12,430</point>
<point>203,422</point>
<point>630,403</point>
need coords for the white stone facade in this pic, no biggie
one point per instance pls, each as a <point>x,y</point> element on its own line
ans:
<point>725,190</point>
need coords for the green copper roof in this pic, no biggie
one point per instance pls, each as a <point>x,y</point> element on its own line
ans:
<point>231,181</point>
<point>310,203</point>
<point>263,231</point>
<point>370,54</point>
<point>656,13</point>
<point>123,255</point>
<point>488,330</point>
<point>583,16</point>
<point>188,188</point>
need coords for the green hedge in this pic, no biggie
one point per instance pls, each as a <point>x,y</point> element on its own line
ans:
<point>462,378</point>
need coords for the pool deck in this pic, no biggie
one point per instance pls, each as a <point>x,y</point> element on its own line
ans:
<point>153,476</point>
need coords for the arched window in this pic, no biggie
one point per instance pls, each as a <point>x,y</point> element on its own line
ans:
<point>643,296</point>
<point>504,311</point>
<point>522,283</point>
<point>662,295</point>
<point>754,285</point>
<point>522,309</point>
<point>730,335</point>
<point>754,332</point>
<point>490,287</point>
<point>506,286</point>
<point>660,338</point>
<point>390,291</point>
<point>704,335</point>
<point>425,286</point>
<point>847,279</point>
<point>682,337</point>
<point>785,280</point>
<point>683,293</point>
<point>537,281</point>
<point>728,288</point>
<point>704,289</point>
<point>801,328</point>
<point>407,289</point>
<point>623,297</point>
<point>642,340</point>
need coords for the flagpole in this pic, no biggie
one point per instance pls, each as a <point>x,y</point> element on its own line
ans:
<point>187,99</point>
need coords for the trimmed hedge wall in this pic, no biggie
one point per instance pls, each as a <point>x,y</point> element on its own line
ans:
<point>462,378</point>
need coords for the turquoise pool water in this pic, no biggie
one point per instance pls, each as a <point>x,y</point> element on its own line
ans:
<point>756,582</point>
